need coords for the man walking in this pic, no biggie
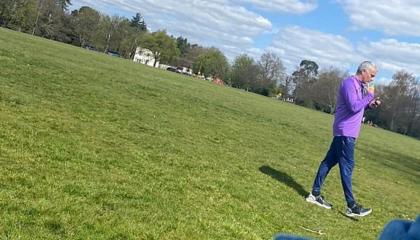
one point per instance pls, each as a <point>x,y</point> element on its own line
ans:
<point>353,98</point>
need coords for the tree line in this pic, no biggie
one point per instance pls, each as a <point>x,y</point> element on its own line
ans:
<point>88,28</point>
<point>307,85</point>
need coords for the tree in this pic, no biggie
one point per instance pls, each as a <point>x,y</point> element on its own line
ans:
<point>413,108</point>
<point>23,15</point>
<point>271,73</point>
<point>138,29</point>
<point>68,31</point>
<point>45,18</point>
<point>38,15</point>
<point>86,22</point>
<point>401,98</point>
<point>244,73</point>
<point>303,78</point>
<point>125,38</point>
<point>138,23</point>
<point>112,24</point>
<point>163,46</point>
<point>190,56</point>
<point>6,11</point>
<point>183,46</point>
<point>211,63</point>
<point>324,90</point>
<point>49,20</point>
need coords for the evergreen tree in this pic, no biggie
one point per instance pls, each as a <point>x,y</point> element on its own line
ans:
<point>138,22</point>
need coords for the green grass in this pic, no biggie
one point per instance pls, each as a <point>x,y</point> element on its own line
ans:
<point>97,147</point>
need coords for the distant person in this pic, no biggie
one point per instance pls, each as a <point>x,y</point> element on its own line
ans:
<point>353,98</point>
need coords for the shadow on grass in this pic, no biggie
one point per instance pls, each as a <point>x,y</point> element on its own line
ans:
<point>284,178</point>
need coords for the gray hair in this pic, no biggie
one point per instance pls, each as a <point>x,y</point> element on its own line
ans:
<point>366,65</point>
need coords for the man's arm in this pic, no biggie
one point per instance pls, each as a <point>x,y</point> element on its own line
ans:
<point>350,97</point>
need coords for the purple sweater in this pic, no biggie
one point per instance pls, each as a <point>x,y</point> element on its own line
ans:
<point>350,108</point>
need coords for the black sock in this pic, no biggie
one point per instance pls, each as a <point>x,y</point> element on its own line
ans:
<point>316,193</point>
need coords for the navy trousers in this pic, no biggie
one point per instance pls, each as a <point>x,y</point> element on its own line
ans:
<point>342,152</point>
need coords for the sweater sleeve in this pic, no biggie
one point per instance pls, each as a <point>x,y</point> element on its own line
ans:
<point>353,103</point>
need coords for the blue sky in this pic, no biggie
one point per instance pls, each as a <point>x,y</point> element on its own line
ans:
<point>333,33</point>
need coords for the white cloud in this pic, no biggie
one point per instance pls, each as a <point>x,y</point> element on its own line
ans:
<point>393,55</point>
<point>291,6</point>
<point>294,44</point>
<point>392,17</point>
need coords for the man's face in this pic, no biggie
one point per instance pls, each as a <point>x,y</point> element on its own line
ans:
<point>368,75</point>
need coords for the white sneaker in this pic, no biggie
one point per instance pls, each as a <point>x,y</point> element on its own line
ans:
<point>318,200</point>
<point>358,211</point>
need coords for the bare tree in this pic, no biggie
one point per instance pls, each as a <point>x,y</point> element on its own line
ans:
<point>271,73</point>
<point>113,27</point>
<point>324,90</point>
<point>413,105</point>
<point>40,7</point>
<point>401,98</point>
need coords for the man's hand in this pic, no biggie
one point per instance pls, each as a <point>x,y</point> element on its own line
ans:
<point>375,103</point>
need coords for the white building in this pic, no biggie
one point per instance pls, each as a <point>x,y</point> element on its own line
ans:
<point>145,56</point>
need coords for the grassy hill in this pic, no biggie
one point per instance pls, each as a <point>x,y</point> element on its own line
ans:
<point>97,147</point>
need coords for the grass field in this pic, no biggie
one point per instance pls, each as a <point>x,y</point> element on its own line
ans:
<point>97,147</point>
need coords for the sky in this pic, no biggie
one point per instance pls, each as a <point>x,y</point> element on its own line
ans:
<point>333,33</point>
